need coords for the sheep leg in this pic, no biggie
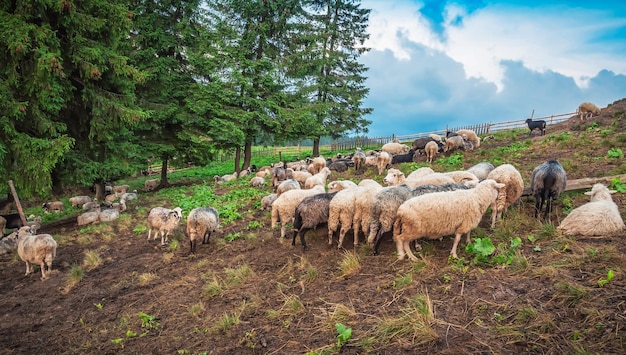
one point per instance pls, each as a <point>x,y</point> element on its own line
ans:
<point>43,268</point>
<point>342,234</point>
<point>149,232</point>
<point>379,238</point>
<point>407,248</point>
<point>28,270</point>
<point>493,215</point>
<point>373,233</point>
<point>457,239</point>
<point>399,247</point>
<point>330,236</point>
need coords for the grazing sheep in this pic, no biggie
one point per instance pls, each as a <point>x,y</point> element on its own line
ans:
<point>310,213</point>
<point>299,176</point>
<point>435,136</point>
<point>317,179</point>
<point>359,161</point>
<point>154,183</point>
<point>121,189</point>
<point>463,177</point>
<point>599,216</point>
<point>451,212</point>
<point>54,206</point>
<point>431,150</point>
<point>79,200</point>
<point>420,143</point>
<point>407,157</point>
<point>285,205</point>
<point>340,165</point>
<point>339,185</point>
<point>587,109</point>
<point>257,181</point>
<point>420,172</point>
<point>457,142</point>
<point>396,177</point>
<point>470,136</point>
<point>547,182</point>
<point>278,175</point>
<point>383,160</point>
<point>481,170</point>
<point>363,211</point>
<point>394,148</point>
<point>109,214</point>
<point>372,159</point>
<point>201,223</point>
<point>341,212</point>
<point>508,175</point>
<point>539,125</point>
<point>8,243</point>
<point>289,184</point>
<point>163,221</point>
<point>40,249</point>
<point>89,217</point>
<point>316,165</point>
<point>266,201</point>
<point>388,200</point>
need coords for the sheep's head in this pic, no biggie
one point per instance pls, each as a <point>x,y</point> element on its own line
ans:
<point>394,177</point>
<point>179,213</point>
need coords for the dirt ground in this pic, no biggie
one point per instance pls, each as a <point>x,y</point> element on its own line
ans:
<point>261,295</point>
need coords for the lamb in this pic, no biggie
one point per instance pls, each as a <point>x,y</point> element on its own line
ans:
<point>469,135</point>
<point>121,189</point>
<point>539,125</point>
<point>383,160</point>
<point>394,148</point>
<point>316,165</point>
<point>388,200</point>
<point>310,213</point>
<point>457,142</point>
<point>431,150</point>
<point>152,184</point>
<point>407,157</point>
<point>55,206</point>
<point>508,175</point>
<point>359,161</point>
<point>79,200</point>
<point>89,217</point>
<point>547,182</point>
<point>318,179</point>
<point>587,109</point>
<point>201,223</point>
<point>289,184</point>
<point>163,221</point>
<point>599,216</point>
<point>450,212</point>
<point>257,181</point>
<point>266,201</point>
<point>481,170</point>
<point>285,205</point>
<point>40,249</point>
<point>299,176</point>
<point>339,185</point>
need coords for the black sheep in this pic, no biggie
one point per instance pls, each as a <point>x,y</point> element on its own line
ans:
<point>403,158</point>
<point>547,182</point>
<point>539,125</point>
<point>310,213</point>
<point>13,220</point>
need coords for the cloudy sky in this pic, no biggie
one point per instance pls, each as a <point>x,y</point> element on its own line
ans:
<point>438,63</point>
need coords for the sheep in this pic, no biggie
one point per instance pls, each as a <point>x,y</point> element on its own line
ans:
<point>55,206</point>
<point>407,157</point>
<point>470,135</point>
<point>396,177</point>
<point>463,177</point>
<point>163,221</point>
<point>457,142</point>
<point>108,215</point>
<point>599,216</point>
<point>129,196</point>
<point>278,176</point>
<point>90,205</point>
<point>547,182</point>
<point>289,184</point>
<point>363,210</point>
<point>40,249</point>
<point>316,165</point>
<point>257,181</point>
<point>394,148</point>
<point>201,223</point>
<point>383,160</point>
<point>481,170</point>
<point>317,179</point>
<point>263,173</point>
<point>340,165</point>
<point>359,161</point>
<point>508,175</point>
<point>266,201</point>
<point>587,109</point>
<point>341,212</point>
<point>285,205</point>
<point>89,217</point>
<point>119,206</point>
<point>539,125</point>
<point>431,150</point>
<point>386,203</point>
<point>79,200</point>
<point>152,184</point>
<point>435,136</point>
<point>8,243</point>
<point>13,221</point>
<point>419,172</point>
<point>311,212</point>
<point>299,176</point>
<point>339,185</point>
<point>245,172</point>
<point>3,224</point>
<point>121,189</point>
<point>372,160</point>
<point>224,178</point>
<point>451,212</point>
<point>110,198</point>
<point>34,223</point>
<point>420,143</point>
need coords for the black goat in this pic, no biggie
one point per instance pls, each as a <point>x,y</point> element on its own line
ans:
<point>539,125</point>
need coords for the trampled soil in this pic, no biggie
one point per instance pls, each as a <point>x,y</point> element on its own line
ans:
<point>278,299</point>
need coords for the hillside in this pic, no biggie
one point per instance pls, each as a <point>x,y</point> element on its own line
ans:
<point>248,292</point>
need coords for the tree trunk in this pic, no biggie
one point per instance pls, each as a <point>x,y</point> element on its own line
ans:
<point>100,191</point>
<point>316,147</point>
<point>237,160</point>
<point>164,181</point>
<point>247,155</point>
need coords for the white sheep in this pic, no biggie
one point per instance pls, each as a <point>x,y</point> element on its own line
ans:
<point>89,217</point>
<point>317,179</point>
<point>396,177</point>
<point>268,200</point>
<point>286,185</point>
<point>40,249</point>
<point>121,189</point>
<point>89,206</point>
<point>129,196</point>
<point>341,212</point>
<point>435,136</point>
<point>469,135</point>
<point>257,181</point>
<point>599,216</point>
<point>383,160</point>
<point>481,170</point>
<point>284,207</point>
<point>419,172</point>
<point>151,184</point>
<point>372,160</point>
<point>587,109</point>
<point>508,175</point>
<point>339,185</point>
<point>8,243</point>
<point>394,148</point>
<point>431,150</point>
<point>163,221</point>
<point>298,175</point>
<point>316,165</point>
<point>263,173</point>
<point>79,200</point>
<point>463,177</point>
<point>54,206</point>
<point>201,223</point>
<point>109,214</point>
<point>457,142</point>
<point>438,214</point>
<point>363,210</point>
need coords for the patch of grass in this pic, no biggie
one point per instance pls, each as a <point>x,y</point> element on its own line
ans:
<point>237,276</point>
<point>292,305</point>
<point>571,294</point>
<point>212,288</point>
<point>92,260</point>
<point>74,277</point>
<point>402,281</point>
<point>140,229</point>
<point>146,278</point>
<point>413,324</point>
<point>173,246</point>
<point>197,309</point>
<point>350,264</point>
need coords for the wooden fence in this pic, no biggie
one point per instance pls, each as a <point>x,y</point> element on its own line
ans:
<point>375,142</point>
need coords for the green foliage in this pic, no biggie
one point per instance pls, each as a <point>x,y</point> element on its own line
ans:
<point>485,252</point>
<point>454,161</point>
<point>343,334</point>
<point>617,185</point>
<point>481,248</point>
<point>232,236</point>
<point>609,276</point>
<point>615,153</point>
<point>148,321</point>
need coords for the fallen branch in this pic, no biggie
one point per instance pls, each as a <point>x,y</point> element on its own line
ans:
<point>584,183</point>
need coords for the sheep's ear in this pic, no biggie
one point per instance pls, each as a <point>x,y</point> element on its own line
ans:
<point>588,193</point>
<point>612,191</point>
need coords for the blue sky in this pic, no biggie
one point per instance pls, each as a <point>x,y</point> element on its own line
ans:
<point>434,64</point>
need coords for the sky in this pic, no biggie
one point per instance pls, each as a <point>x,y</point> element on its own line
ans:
<point>437,64</point>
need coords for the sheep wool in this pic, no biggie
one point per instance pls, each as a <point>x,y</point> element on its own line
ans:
<point>163,221</point>
<point>598,217</point>
<point>201,223</point>
<point>547,182</point>
<point>285,205</point>
<point>38,249</point>
<point>310,213</point>
<point>508,175</point>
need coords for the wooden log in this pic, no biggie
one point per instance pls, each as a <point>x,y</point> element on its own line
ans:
<point>17,202</point>
<point>584,183</point>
